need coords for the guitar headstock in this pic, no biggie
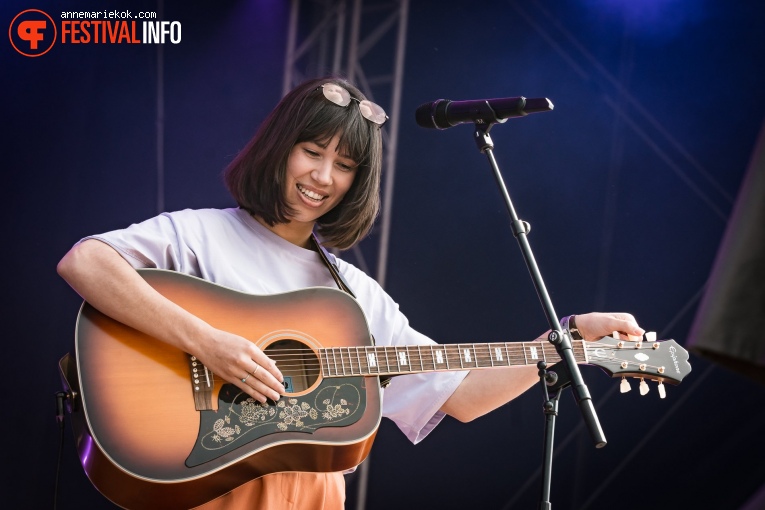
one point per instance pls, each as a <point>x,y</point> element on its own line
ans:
<point>642,358</point>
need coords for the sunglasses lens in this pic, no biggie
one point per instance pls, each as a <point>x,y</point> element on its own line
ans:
<point>336,94</point>
<point>372,112</point>
<point>341,97</point>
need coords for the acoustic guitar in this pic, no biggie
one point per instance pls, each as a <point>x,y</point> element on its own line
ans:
<point>155,428</point>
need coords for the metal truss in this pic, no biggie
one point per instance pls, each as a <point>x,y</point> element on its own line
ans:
<point>363,41</point>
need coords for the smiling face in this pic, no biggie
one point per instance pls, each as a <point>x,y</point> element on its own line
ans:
<point>317,178</point>
<point>261,184</point>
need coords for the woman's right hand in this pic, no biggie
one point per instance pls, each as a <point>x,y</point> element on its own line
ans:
<point>240,362</point>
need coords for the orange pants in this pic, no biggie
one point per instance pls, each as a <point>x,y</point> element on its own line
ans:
<point>285,491</point>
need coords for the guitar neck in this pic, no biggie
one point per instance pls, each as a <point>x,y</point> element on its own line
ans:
<point>411,359</point>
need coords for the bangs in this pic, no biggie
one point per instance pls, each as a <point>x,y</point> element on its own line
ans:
<point>325,120</point>
<point>257,176</point>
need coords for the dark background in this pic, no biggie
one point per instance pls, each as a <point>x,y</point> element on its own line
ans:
<point>628,185</point>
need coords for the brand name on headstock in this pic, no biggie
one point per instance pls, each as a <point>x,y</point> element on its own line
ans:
<point>673,355</point>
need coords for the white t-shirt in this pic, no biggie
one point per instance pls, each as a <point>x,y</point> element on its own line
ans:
<point>230,248</point>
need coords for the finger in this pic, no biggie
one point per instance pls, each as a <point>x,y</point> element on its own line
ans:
<point>258,357</point>
<point>625,323</point>
<point>264,368</point>
<point>261,387</point>
<point>260,390</point>
<point>267,377</point>
<point>244,383</point>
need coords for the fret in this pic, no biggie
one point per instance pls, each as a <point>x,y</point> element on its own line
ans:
<point>533,352</point>
<point>483,360</point>
<point>419,354</point>
<point>401,358</point>
<point>375,360</point>
<point>468,356</point>
<point>342,361</point>
<point>584,358</point>
<point>371,360</point>
<point>387,361</point>
<point>439,359</point>
<point>508,356</point>
<point>525,357</point>
<point>432,358</point>
<point>495,352</point>
<point>378,360</point>
<point>326,356</point>
<point>480,358</point>
<point>334,362</point>
<point>358,359</point>
<point>350,359</point>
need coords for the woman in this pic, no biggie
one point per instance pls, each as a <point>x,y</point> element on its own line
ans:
<point>314,165</point>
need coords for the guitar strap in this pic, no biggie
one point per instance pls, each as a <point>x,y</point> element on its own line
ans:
<point>329,261</point>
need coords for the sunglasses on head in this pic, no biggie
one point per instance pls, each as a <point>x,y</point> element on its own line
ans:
<point>341,97</point>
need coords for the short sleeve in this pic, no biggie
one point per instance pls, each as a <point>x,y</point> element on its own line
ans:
<point>154,243</point>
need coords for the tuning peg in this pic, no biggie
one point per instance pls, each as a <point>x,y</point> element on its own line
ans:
<point>634,338</point>
<point>662,390</point>
<point>615,334</point>
<point>624,386</point>
<point>643,386</point>
<point>650,336</point>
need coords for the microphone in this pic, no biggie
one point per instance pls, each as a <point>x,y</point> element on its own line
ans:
<point>443,113</point>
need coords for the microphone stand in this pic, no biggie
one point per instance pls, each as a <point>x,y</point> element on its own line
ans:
<point>570,374</point>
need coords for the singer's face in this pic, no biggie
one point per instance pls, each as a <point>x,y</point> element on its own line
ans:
<point>318,177</point>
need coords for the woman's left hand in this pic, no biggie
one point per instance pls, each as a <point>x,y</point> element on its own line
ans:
<point>595,325</point>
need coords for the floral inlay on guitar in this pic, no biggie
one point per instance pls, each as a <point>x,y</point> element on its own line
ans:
<point>241,419</point>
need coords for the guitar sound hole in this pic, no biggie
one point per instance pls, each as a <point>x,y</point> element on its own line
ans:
<point>297,362</point>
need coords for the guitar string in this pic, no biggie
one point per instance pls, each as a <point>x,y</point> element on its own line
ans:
<point>348,353</point>
<point>349,366</point>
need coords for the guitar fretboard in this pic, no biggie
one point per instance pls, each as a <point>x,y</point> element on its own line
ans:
<point>374,360</point>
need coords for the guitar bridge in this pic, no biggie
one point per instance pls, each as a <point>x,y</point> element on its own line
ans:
<point>202,384</point>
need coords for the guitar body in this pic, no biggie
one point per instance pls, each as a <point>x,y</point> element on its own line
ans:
<point>144,444</point>
<point>155,429</point>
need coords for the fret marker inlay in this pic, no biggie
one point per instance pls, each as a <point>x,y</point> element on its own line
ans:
<point>498,353</point>
<point>402,358</point>
<point>372,360</point>
<point>534,353</point>
<point>439,357</point>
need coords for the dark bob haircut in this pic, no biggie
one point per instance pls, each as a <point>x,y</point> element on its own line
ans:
<point>257,176</point>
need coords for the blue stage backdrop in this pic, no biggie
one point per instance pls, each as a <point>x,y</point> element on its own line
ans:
<point>629,185</point>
